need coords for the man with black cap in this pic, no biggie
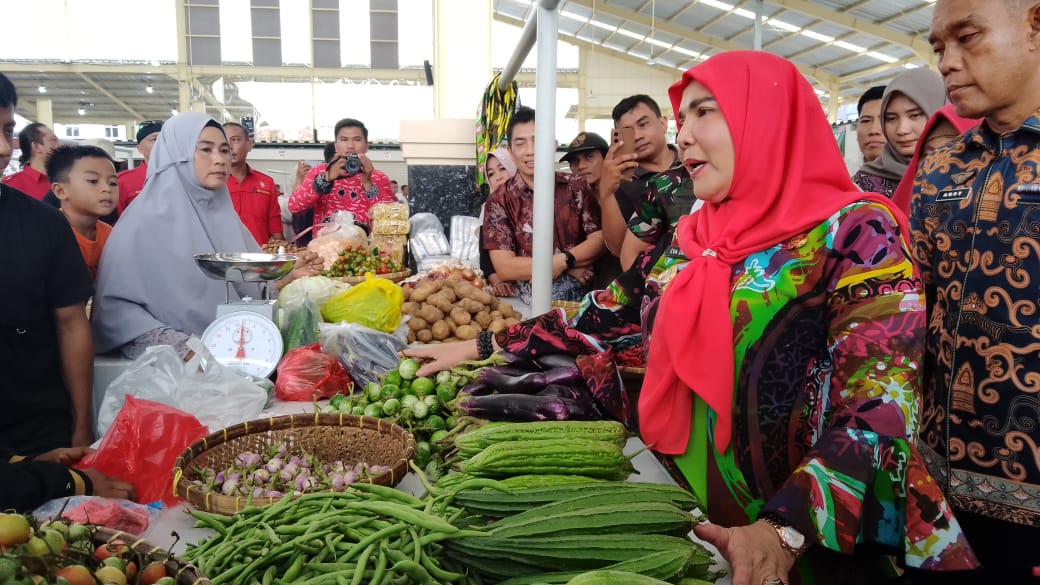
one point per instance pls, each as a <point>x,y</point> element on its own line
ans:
<point>131,181</point>
<point>585,156</point>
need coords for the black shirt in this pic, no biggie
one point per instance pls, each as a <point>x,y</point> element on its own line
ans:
<point>42,270</point>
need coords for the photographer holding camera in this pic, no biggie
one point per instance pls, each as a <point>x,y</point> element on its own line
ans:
<point>347,183</point>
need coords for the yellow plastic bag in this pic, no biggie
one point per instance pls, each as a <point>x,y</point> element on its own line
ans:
<point>374,303</point>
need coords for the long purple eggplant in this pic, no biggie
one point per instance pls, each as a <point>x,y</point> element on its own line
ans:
<point>527,407</point>
<point>509,380</point>
<point>551,361</point>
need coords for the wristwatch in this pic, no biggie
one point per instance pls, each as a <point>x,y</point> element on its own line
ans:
<point>571,260</point>
<point>793,541</point>
<point>322,186</point>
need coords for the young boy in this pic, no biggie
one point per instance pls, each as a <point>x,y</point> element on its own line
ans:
<point>84,179</point>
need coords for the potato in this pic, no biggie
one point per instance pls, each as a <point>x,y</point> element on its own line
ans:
<point>461,316</point>
<point>441,302</point>
<point>407,291</point>
<point>440,330</point>
<point>417,324</point>
<point>497,326</point>
<point>483,319</point>
<point>471,306</point>
<point>409,307</point>
<point>451,339</point>
<point>507,309</point>
<point>431,313</point>
<point>420,294</point>
<point>449,293</point>
<point>411,337</point>
<point>496,314</point>
<point>424,336</point>
<point>466,332</point>
<point>512,321</point>
<point>494,302</point>
<point>468,291</point>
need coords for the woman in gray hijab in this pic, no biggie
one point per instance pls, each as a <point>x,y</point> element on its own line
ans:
<point>149,289</point>
<point>909,101</point>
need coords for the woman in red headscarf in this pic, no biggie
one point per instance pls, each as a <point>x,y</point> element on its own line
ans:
<point>785,385</point>
<point>782,383</point>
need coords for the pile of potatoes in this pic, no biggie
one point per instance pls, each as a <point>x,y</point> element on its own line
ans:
<point>454,309</point>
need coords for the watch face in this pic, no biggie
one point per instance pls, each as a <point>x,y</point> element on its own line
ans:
<point>793,538</point>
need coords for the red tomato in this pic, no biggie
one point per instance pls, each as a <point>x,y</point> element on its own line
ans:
<point>116,547</point>
<point>154,571</point>
<point>76,575</point>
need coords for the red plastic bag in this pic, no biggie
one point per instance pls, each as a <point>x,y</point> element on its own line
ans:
<point>306,374</point>
<point>141,446</point>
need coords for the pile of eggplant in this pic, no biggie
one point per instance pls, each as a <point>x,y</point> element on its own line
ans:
<point>549,387</point>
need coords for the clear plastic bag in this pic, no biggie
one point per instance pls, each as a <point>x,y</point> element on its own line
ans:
<point>130,517</point>
<point>465,245</point>
<point>300,323</point>
<point>367,354</point>
<point>219,395</point>
<point>337,235</point>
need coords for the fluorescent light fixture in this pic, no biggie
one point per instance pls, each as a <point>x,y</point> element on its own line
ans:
<point>815,35</point>
<point>174,111</point>
<point>850,47</point>
<point>630,34</point>
<point>717,4</point>
<point>573,16</point>
<point>882,57</point>
<point>660,43</point>
<point>910,66</point>
<point>42,89</point>
<point>602,25</point>
<point>149,89</point>
<point>745,13</point>
<point>784,25</point>
<point>82,111</point>
<point>685,51</point>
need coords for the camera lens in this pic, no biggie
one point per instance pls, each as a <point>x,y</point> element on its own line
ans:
<point>352,165</point>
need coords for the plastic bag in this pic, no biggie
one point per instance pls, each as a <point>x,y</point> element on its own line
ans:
<point>221,396</point>
<point>374,303</point>
<point>301,319</point>
<point>307,374</point>
<point>130,517</point>
<point>142,445</point>
<point>367,354</point>
<point>465,245</point>
<point>336,235</point>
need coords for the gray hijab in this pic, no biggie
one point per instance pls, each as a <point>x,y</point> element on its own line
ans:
<point>925,87</point>
<point>148,278</point>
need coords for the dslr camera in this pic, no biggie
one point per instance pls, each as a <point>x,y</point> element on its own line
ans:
<point>352,166</point>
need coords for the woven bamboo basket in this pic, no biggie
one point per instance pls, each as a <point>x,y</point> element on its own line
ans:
<point>184,572</point>
<point>391,276</point>
<point>351,439</point>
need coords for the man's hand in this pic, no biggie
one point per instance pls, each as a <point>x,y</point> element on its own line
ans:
<point>335,170</point>
<point>559,265</point>
<point>67,456</point>
<point>302,168</point>
<point>109,487</point>
<point>617,168</point>
<point>307,264</point>
<point>582,275</point>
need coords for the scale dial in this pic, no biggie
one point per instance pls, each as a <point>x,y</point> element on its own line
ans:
<point>246,341</point>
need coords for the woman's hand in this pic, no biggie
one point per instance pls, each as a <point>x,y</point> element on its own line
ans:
<point>754,552</point>
<point>307,264</point>
<point>582,275</point>
<point>67,456</point>
<point>444,356</point>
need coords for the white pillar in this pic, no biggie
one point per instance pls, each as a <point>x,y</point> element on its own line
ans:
<point>45,112</point>
<point>461,56</point>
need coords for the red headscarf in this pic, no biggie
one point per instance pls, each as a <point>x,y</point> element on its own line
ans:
<point>904,192</point>
<point>788,177</point>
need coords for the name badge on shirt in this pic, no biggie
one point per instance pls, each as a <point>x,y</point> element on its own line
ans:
<point>675,252</point>
<point>954,194</point>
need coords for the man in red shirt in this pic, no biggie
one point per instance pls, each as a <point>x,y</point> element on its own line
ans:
<point>348,183</point>
<point>36,142</point>
<point>254,194</point>
<point>131,181</point>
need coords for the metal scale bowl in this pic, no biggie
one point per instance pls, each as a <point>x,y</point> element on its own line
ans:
<point>244,335</point>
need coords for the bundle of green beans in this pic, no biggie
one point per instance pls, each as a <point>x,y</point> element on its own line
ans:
<point>368,534</point>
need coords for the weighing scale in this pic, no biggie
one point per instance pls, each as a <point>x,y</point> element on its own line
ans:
<point>244,336</point>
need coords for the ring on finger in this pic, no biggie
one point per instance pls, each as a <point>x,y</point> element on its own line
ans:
<point>773,581</point>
